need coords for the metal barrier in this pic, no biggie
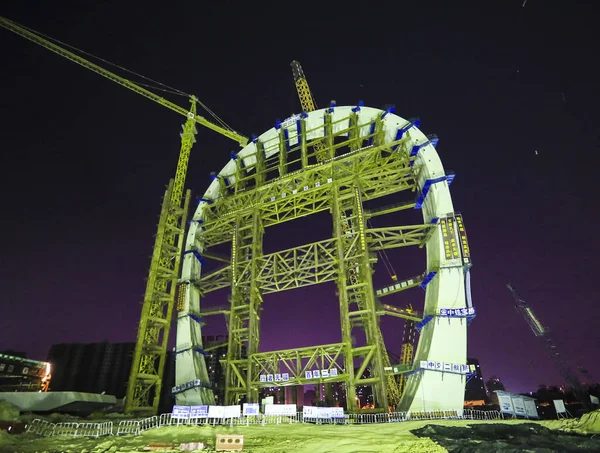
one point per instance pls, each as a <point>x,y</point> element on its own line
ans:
<point>135,427</point>
<point>73,429</point>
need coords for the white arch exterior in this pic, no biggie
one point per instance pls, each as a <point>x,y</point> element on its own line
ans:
<point>441,339</point>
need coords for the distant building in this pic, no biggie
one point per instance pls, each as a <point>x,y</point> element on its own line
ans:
<point>102,368</point>
<point>475,394</point>
<point>333,394</point>
<point>364,393</point>
<point>93,367</point>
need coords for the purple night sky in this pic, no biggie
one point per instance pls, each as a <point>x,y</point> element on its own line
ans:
<point>510,90</point>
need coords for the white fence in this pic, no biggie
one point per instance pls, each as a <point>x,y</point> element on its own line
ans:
<point>135,427</point>
<point>71,429</point>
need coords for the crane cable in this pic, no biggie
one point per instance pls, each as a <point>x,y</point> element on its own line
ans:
<point>161,87</point>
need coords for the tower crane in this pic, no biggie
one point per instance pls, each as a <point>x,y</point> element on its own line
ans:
<point>539,330</point>
<point>308,104</point>
<point>145,381</point>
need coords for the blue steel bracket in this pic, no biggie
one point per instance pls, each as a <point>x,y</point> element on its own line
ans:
<point>423,323</point>
<point>233,155</point>
<point>391,109</point>
<point>427,279</point>
<point>196,253</point>
<point>427,187</point>
<point>431,140</point>
<point>277,124</point>
<point>358,106</point>
<point>196,318</point>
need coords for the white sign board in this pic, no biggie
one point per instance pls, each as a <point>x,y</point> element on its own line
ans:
<point>281,409</point>
<point>250,409</point>
<point>216,411</point>
<point>310,412</point>
<point>181,412</point>
<point>519,406</point>
<point>506,406</point>
<point>337,412</point>
<point>531,408</point>
<point>198,411</point>
<point>559,405</point>
<point>232,412</point>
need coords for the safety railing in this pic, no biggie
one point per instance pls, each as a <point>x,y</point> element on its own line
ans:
<point>135,427</point>
<point>71,429</point>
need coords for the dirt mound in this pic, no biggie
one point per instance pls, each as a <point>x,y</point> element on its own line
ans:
<point>507,438</point>
<point>589,423</point>
<point>8,412</point>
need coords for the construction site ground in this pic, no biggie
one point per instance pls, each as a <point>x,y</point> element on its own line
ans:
<point>464,436</point>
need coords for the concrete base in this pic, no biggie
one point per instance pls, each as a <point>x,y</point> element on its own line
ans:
<point>71,402</point>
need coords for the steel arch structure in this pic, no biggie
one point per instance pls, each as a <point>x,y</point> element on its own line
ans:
<point>276,178</point>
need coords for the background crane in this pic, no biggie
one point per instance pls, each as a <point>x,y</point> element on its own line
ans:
<point>308,104</point>
<point>145,381</point>
<point>539,330</point>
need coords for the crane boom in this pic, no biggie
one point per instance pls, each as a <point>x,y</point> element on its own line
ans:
<point>521,306</point>
<point>540,330</point>
<point>149,358</point>
<point>21,31</point>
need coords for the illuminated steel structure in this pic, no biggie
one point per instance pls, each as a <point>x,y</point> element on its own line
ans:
<point>281,176</point>
<point>144,387</point>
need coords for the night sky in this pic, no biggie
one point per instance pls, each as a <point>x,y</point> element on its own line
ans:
<point>511,91</point>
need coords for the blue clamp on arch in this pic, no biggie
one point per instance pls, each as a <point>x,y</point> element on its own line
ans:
<point>201,351</point>
<point>431,140</point>
<point>358,106</point>
<point>427,187</point>
<point>254,138</point>
<point>196,318</point>
<point>428,279</point>
<point>412,123</point>
<point>390,109</point>
<point>332,105</point>
<point>277,124</point>
<point>233,155</point>
<point>196,253</point>
<point>423,323</point>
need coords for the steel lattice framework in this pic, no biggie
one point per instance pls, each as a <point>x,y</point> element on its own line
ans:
<point>363,154</point>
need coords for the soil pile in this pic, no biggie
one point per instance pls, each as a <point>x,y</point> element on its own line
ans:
<point>507,438</point>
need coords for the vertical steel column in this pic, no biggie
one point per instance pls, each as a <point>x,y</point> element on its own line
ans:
<point>255,301</point>
<point>244,325</point>
<point>342,283</point>
<point>145,380</point>
<point>233,379</point>
<point>370,319</point>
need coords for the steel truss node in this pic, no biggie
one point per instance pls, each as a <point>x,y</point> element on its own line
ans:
<point>362,154</point>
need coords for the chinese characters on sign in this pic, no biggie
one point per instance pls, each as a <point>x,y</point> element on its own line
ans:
<point>456,312</point>
<point>445,367</point>
<point>309,374</point>
<point>463,240</point>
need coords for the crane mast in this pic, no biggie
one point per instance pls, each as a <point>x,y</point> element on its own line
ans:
<point>539,330</point>
<point>145,381</point>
